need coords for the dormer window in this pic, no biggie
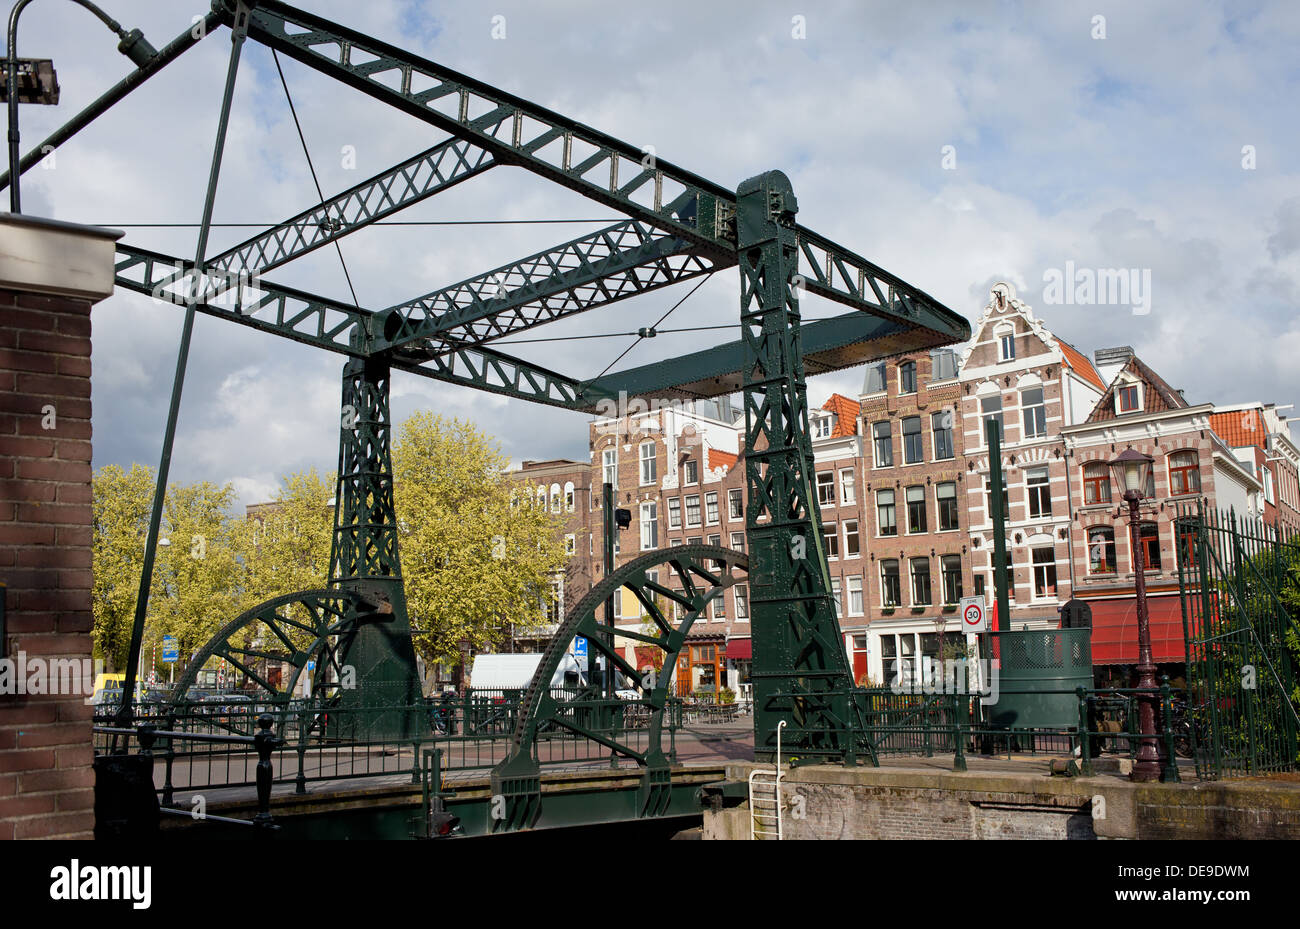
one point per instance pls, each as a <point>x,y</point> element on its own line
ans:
<point>822,425</point>
<point>1127,399</point>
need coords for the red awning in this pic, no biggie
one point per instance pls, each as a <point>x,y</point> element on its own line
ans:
<point>1115,636</point>
<point>740,649</point>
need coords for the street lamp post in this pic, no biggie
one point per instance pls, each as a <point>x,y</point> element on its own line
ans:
<point>1132,470</point>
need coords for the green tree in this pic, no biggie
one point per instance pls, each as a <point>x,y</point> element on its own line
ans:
<point>477,553</point>
<point>291,537</point>
<point>121,502</point>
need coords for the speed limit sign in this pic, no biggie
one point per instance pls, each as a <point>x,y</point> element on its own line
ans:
<point>974,618</point>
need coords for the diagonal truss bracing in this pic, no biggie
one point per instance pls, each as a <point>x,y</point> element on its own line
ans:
<point>596,165</point>
<point>313,320</point>
<point>608,265</point>
<point>418,178</point>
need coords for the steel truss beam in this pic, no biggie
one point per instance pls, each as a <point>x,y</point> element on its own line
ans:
<point>605,266</point>
<point>432,171</point>
<point>596,165</point>
<point>312,320</point>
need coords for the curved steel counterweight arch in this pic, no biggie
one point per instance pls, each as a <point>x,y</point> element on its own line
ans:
<point>298,628</point>
<point>696,575</point>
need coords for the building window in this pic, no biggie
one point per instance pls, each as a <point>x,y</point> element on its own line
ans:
<point>831,540</point>
<point>950,565</point>
<point>907,377</point>
<point>890,592</point>
<point>568,497</point>
<point>988,499</point>
<point>691,471</point>
<point>557,502</point>
<point>1149,534</point>
<point>649,525</point>
<point>882,444</point>
<point>991,409</point>
<point>1126,398</point>
<point>1035,413</point>
<point>1096,483</point>
<point>720,605</point>
<point>742,602</point>
<point>835,595</point>
<point>886,523</point>
<point>715,541</point>
<point>1007,345</point>
<point>693,510</point>
<point>855,595</point>
<point>821,425</point>
<point>1184,473</point>
<point>912,447</point>
<point>947,495</point>
<point>1044,560</point>
<point>609,466</point>
<point>1040,492</point>
<point>916,509</point>
<point>979,585</point>
<point>738,541</point>
<point>826,489</point>
<point>921,582</point>
<point>941,432</point>
<point>1185,532</point>
<point>852,542</point>
<point>647,462</point>
<point>674,513</point>
<point>570,544</point>
<point>711,507</point>
<point>735,504</point>
<point>848,490</point>
<point>1101,550</point>
<point>875,382</point>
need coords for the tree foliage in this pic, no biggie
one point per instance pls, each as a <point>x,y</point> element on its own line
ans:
<point>478,553</point>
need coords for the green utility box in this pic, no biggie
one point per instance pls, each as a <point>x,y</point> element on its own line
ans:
<point>1037,676</point>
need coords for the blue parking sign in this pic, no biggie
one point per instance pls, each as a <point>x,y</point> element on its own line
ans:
<point>579,647</point>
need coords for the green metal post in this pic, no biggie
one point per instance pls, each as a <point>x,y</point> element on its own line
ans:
<point>801,673</point>
<point>123,716</point>
<point>1000,578</point>
<point>611,527</point>
<point>961,726</point>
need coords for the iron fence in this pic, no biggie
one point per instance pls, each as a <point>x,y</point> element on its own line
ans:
<point>1239,581</point>
<point>324,743</point>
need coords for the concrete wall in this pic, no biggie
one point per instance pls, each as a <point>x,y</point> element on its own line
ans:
<point>822,802</point>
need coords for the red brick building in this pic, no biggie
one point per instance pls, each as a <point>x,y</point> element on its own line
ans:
<point>1191,464</point>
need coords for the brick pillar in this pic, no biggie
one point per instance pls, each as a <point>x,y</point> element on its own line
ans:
<point>50,275</point>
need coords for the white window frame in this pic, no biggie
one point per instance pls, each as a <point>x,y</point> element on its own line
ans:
<point>651,461</point>
<point>674,512</point>
<point>609,467</point>
<point>861,603</point>
<point>649,520</point>
<point>826,489</point>
<point>848,487</point>
<point>711,508</point>
<point>686,509</point>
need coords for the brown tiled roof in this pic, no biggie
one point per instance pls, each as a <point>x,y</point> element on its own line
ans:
<point>1079,363</point>
<point>845,412</point>
<point>1240,428</point>
<point>1157,395</point>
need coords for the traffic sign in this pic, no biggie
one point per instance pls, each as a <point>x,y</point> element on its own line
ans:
<point>974,618</point>
<point>579,647</point>
<point>171,652</point>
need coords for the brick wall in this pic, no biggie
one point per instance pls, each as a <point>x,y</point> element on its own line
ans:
<point>46,781</point>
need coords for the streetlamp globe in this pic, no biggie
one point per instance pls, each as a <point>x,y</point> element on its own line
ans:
<point>1131,471</point>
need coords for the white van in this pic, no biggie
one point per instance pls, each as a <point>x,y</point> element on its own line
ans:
<point>515,672</point>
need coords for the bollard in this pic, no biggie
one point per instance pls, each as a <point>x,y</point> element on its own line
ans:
<point>300,782</point>
<point>1085,736</point>
<point>168,797</point>
<point>265,742</point>
<point>959,732</point>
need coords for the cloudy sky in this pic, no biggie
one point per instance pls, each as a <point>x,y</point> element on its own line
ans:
<point>1167,145</point>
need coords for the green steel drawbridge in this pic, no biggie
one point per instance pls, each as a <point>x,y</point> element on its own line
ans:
<point>679,227</point>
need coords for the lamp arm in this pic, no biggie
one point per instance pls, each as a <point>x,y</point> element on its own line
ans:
<point>11,84</point>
